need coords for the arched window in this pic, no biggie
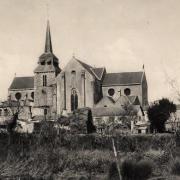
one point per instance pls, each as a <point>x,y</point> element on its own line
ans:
<point>5,112</point>
<point>44,80</point>
<point>74,100</point>
<point>32,95</point>
<point>18,96</point>
<point>111,91</point>
<point>127,91</point>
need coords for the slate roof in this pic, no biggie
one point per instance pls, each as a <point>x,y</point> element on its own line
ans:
<point>134,100</point>
<point>97,72</point>
<point>122,100</point>
<point>107,111</point>
<point>47,68</point>
<point>106,100</point>
<point>49,56</point>
<point>22,83</point>
<point>124,78</point>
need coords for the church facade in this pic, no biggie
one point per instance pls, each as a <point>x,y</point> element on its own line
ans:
<point>53,90</point>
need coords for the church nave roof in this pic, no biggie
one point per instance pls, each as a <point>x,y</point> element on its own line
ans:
<point>124,78</point>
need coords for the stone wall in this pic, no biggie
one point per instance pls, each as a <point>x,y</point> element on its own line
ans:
<point>44,94</point>
<point>136,90</point>
<point>75,81</point>
<point>23,92</point>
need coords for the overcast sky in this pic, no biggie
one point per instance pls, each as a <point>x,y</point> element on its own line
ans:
<point>121,35</point>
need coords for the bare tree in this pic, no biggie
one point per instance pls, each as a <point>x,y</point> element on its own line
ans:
<point>15,108</point>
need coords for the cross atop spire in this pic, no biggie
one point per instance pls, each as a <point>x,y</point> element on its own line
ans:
<point>48,44</point>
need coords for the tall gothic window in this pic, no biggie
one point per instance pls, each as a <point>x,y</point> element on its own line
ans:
<point>73,78</point>
<point>74,100</point>
<point>44,80</point>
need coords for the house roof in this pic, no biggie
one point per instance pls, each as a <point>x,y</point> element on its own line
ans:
<point>22,83</point>
<point>107,111</point>
<point>134,100</point>
<point>105,101</point>
<point>124,78</point>
<point>122,100</point>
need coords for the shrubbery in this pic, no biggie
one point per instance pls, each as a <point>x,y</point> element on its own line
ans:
<point>176,167</point>
<point>39,155</point>
<point>113,172</point>
<point>130,169</point>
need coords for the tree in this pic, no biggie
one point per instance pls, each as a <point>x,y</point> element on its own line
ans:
<point>159,113</point>
<point>14,109</point>
<point>90,126</point>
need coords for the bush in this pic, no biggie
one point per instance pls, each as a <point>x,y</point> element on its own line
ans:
<point>130,169</point>
<point>176,167</point>
<point>113,172</point>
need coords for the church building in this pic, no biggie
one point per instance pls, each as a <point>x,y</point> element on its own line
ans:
<point>53,90</point>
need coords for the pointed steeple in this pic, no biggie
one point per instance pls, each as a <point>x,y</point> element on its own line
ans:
<point>48,44</point>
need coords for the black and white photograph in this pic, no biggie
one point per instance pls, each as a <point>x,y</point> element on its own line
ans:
<point>89,90</point>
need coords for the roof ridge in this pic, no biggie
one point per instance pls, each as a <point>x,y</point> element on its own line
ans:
<point>125,72</point>
<point>83,62</point>
<point>23,76</point>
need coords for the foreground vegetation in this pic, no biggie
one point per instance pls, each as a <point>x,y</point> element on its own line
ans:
<point>53,156</point>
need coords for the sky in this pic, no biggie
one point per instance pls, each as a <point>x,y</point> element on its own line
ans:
<point>120,35</point>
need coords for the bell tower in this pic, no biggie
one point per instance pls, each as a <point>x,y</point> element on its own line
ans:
<point>44,78</point>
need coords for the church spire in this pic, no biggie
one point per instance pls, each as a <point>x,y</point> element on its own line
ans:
<point>48,44</point>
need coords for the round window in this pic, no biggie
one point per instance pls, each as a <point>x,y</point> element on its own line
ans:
<point>18,96</point>
<point>111,92</point>
<point>127,91</point>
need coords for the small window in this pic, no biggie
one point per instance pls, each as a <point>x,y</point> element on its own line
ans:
<point>18,96</point>
<point>32,95</point>
<point>82,73</point>
<point>127,91</point>
<point>44,80</point>
<point>73,72</point>
<point>45,111</point>
<point>111,91</point>
<point>43,63</point>
<point>49,62</point>
<point>0,112</point>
